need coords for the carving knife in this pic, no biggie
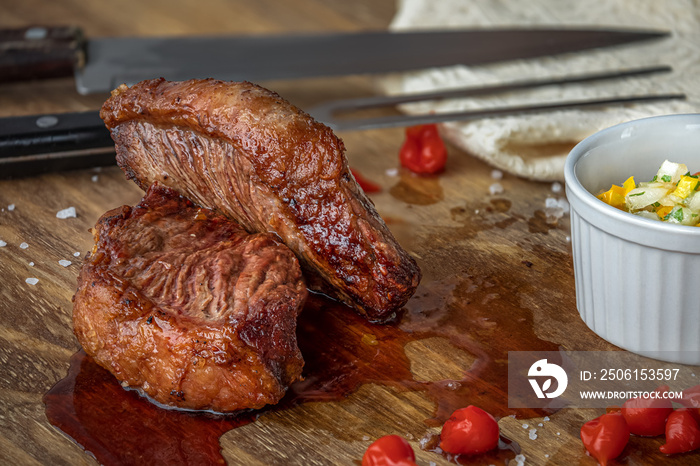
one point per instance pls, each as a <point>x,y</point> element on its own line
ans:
<point>101,64</point>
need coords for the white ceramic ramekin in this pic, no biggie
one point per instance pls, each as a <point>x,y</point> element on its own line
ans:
<point>637,280</point>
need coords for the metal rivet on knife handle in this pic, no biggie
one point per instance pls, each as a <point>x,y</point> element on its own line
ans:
<point>36,33</point>
<point>46,121</point>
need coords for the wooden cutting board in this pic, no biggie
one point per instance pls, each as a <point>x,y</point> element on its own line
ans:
<point>497,277</point>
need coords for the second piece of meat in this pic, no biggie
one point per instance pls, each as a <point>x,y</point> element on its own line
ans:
<point>182,303</point>
<point>246,152</point>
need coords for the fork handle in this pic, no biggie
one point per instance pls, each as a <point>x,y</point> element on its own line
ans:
<point>35,144</point>
<point>40,52</point>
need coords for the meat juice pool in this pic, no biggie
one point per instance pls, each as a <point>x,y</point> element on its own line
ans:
<point>342,351</point>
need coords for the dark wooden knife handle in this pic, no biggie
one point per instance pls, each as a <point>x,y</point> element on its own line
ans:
<point>40,52</point>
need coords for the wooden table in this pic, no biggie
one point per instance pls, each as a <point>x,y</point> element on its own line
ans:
<point>497,272</point>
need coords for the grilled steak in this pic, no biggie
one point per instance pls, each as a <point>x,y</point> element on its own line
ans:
<point>244,151</point>
<point>182,303</point>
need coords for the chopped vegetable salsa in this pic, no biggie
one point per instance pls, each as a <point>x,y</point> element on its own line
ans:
<point>671,196</point>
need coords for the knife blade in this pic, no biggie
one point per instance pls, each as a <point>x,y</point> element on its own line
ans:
<point>101,64</point>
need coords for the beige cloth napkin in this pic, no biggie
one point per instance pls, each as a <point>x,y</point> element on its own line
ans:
<point>535,146</point>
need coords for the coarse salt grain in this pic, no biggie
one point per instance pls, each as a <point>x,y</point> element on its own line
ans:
<point>76,254</point>
<point>64,262</point>
<point>525,426</point>
<point>556,187</point>
<point>552,203</point>
<point>32,281</point>
<point>11,207</point>
<point>496,188</point>
<point>66,213</point>
<point>555,208</point>
<point>546,418</point>
<point>533,434</point>
<point>392,172</point>
<point>31,264</point>
<point>520,459</point>
<point>540,424</point>
<point>95,178</point>
<point>564,204</point>
<point>2,244</point>
<point>497,174</point>
<point>23,246</point>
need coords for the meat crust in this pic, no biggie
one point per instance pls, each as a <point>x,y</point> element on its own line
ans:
<point>182,303</point>
<point>244,151</point>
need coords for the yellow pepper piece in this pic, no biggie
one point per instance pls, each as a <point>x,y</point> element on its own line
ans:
<point>629,185</point>
<point>664,210</point>
<point>685,186</point>
<point>615,196</point>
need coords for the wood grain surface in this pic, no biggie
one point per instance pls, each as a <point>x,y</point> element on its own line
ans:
<point>495,258</point>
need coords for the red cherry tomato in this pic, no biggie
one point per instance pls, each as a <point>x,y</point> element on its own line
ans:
<point>366,185</point>
<point>682,433</point>
<point>415,132</point>
<point>647,416</point>
<point>605,437</point>
<point>691,400</point>
<point>469,431</point>
<point>423,151</point>
<point>390,450</point>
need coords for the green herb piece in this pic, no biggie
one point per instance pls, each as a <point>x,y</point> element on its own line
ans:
<point>676,214</point>
<point>638,194</point>
<point>666,178</point>
<point>654,179</point>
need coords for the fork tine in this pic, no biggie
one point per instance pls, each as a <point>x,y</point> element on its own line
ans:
<point>325,112</point>
<point>410,120</point>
